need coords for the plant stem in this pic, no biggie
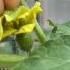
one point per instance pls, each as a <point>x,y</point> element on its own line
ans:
<point>40,33</point>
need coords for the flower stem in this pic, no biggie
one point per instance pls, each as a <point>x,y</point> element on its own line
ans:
<point>40,33</point>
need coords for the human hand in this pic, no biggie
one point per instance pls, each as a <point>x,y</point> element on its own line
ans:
<point>11,4</point>
<point>8,4</point>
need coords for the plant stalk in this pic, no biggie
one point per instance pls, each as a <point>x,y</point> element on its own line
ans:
<point>40,33</point>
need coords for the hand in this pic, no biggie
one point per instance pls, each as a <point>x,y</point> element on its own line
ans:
<point>1,6</point>
<point>11,4</point>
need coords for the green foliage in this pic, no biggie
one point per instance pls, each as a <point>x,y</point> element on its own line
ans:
<point>8,61</point>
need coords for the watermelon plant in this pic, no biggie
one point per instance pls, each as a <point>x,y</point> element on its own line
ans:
<point>37,49</point>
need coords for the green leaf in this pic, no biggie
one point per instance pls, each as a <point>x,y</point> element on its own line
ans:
<point>7,60</point>
<point>67,23</point>
<point>63,29</point>
<point>59,30</point>
<point>55,57</point>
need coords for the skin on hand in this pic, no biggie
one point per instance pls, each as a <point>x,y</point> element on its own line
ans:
<point>11,4</point>
<point>1,6</point>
